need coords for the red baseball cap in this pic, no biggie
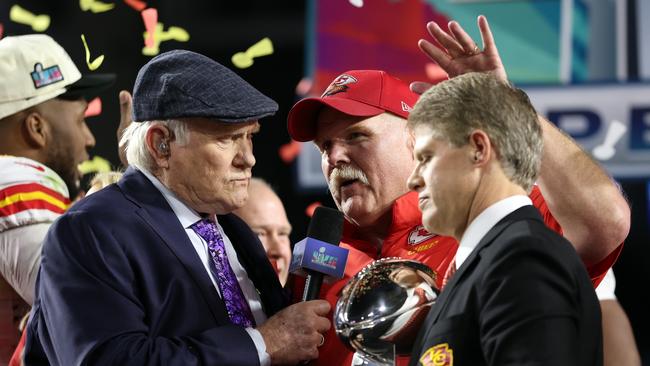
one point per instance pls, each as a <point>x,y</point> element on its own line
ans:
<point>363,93</point>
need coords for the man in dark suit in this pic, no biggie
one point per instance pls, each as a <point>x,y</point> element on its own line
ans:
<point>155,270</point>
<point>521,295</point>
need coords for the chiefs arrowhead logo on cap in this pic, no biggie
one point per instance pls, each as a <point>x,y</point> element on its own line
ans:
<point>419,235</point>
<point>339,85</point>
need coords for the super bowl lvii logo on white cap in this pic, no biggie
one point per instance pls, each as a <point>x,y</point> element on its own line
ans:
<point>44,77</point>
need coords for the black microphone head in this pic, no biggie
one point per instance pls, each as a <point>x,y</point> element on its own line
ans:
<point>326,225</point>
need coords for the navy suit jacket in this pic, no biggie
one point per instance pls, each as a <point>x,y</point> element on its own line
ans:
<point>121,284</point>
<point>522,297</point>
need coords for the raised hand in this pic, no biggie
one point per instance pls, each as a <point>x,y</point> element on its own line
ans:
<point>461,54</point>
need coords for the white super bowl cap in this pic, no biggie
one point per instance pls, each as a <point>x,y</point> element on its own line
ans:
<point>34,68</point>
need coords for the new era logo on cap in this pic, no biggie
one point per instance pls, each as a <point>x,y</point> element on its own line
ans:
<point>362,93</point>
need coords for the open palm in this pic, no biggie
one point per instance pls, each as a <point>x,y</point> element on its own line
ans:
<point>459,53</point>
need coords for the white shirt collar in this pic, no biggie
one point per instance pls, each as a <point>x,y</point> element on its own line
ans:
<point>486,221</point>
<point>185,214</point>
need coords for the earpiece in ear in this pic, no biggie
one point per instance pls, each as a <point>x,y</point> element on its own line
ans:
<point>163,147</point>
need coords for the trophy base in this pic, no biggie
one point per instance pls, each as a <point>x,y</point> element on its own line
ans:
<point>383,357</point>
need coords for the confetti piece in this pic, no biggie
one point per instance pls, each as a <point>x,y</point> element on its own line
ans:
<point>288,152</point>
<point>2,29</point>
<point>95,6</point>
<point>136,4</point>
<point>94,108</point>
<point>173,33</point>
<point>39,23</point>
<point>606,150</point>
<point>245,59</point>
<point>150,18</point>
<point>96,165</point>
<point>304,87</point>
<point>92,66</point>
<point>309,211</point>
<point>356,3</point>
<point>435,72</point>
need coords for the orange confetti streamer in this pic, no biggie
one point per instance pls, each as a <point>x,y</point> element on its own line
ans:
<point>288,152</point>
<point>309,211</point>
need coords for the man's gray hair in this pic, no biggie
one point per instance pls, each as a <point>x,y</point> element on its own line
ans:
<point>478,101</point>
<point>134,141</point>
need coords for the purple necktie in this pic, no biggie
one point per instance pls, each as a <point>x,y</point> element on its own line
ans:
<point>236,304</point>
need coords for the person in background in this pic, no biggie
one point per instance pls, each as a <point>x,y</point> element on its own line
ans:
<point>265,214</point>
<point>619,345</point>
<point>102,180</point>
<point>156,269</point>
<point>43,137</point>
<point>359,126</point>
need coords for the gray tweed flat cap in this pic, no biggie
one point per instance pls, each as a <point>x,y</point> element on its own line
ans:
<point>181,83</point>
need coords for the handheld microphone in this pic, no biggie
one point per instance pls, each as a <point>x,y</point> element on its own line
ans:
<point>319,253</point>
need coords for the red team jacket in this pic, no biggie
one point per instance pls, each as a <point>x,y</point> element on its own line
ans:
<point>408,239</point>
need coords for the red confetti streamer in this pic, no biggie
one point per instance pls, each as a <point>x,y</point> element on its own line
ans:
<point>136,4</point>
<point>94,108</point>
<point>150,17</point>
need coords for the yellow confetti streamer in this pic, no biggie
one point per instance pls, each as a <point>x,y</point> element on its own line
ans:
<point>95,6</point>
<point>96,62</point>
<point>96,165</point>
<point>173,33</point>
<point>245,59</point>
<point>39,23</point>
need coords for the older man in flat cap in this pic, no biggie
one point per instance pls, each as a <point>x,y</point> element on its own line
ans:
<point>155,270</point>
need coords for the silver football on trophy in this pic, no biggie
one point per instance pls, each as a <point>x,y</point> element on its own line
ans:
<point>384,305</point>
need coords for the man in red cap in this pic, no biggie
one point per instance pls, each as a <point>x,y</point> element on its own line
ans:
<point>359,126</point>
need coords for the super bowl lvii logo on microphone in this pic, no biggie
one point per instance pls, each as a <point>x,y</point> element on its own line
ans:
<point>321,258</point>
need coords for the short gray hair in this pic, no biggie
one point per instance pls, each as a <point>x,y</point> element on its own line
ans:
<point>134,141</point>
<point>455,108</point>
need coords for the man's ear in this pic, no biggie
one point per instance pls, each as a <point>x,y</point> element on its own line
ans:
<point>410,140</point>
<point>158,141</point>
<point>480,147</point>
<point>35,129</point>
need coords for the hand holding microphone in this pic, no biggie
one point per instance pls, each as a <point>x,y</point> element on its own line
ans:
<point>294,334</point>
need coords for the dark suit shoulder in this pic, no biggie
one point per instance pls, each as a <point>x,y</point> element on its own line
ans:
<point>531,236</point>
<point>107,202</point>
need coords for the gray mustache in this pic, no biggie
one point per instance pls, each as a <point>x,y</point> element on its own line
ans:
<point>345,173</point>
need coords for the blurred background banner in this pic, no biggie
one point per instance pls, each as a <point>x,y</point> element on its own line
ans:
<point>611,121</point>
<point>554,43</point>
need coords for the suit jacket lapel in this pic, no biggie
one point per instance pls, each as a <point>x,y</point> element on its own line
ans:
<point>526,212</point>
<point>252,257</point>
<point>154,209</point>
